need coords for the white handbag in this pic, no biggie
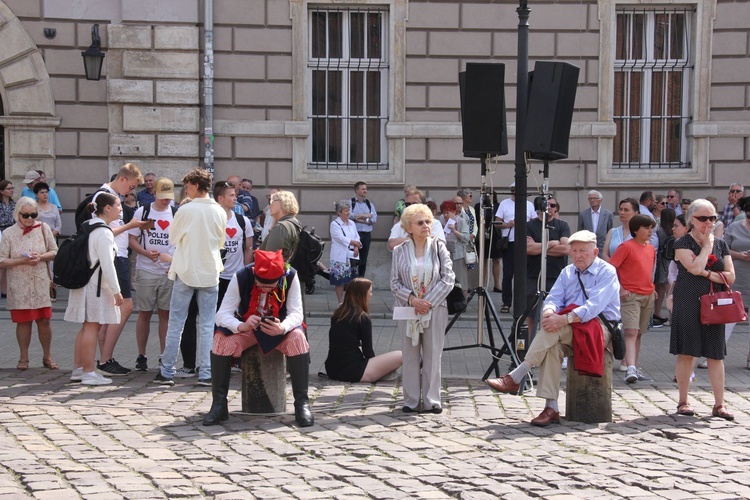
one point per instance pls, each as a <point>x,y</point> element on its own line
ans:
<point>470,255</point>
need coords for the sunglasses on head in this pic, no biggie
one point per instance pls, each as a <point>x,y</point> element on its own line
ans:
<point>704,218</point>
<point>33,215</point>
<point>686,201</point>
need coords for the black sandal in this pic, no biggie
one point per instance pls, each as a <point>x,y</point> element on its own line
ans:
<point>505,309</point>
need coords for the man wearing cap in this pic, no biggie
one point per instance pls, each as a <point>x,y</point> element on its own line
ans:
<point>197,232</point>
<point>506,217</point>
<point>32,180</point>
<point>566,308</point>
<point>265,289</point>
<point>153,254</point>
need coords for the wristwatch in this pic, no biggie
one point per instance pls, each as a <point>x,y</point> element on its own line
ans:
<point>570,317</point>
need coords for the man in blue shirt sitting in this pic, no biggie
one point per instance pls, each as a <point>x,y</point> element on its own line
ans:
<point>555,339</point>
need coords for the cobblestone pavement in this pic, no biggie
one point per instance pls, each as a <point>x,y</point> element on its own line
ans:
<point>136,440</point>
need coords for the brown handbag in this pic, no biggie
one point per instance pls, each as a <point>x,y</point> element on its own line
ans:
<point>718,308</point>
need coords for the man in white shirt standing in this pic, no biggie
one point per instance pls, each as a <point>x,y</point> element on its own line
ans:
<point>506,216</point>
<point>238,247</point>
<point>365,216</point>
<point>197,233</point>
<point>153,254</point>
<point>127,179</point>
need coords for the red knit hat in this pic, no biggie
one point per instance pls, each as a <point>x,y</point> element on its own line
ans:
<point>269,266</point>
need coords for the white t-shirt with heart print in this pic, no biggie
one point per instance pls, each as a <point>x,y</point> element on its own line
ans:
<point>154,239</point>
<point>235,257</point>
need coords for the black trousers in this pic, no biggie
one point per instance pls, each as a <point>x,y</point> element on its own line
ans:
<point>365,238</point>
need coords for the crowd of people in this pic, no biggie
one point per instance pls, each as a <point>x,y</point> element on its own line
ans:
<point>215,267</point>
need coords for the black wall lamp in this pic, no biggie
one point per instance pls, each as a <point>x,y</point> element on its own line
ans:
<point>93,58</point>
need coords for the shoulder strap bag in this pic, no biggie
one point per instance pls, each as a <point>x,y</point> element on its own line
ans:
<point>614,327</point>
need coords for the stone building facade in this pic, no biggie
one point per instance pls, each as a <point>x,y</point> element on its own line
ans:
<point>279,94</point>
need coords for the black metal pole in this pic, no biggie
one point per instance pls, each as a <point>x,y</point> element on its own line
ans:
<point>522,88</point>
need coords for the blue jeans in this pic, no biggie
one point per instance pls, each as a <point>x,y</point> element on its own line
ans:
<point>178,311</point>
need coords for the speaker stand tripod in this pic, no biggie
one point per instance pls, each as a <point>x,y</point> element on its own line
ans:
<point>486,309</point>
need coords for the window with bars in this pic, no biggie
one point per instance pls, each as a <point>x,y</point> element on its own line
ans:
<point>651,94</point>
<point>348,67</point>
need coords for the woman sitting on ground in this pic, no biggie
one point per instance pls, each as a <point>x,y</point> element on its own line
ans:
<point>350,354</point>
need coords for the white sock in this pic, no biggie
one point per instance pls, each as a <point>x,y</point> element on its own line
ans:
<point>551,403</point>
<point>519,373</point>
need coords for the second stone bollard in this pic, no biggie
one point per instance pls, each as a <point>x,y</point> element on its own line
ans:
<point>589,399</point>
<point>263,381</point>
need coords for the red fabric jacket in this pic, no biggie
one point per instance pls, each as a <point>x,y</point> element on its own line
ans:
<point>588,346</point>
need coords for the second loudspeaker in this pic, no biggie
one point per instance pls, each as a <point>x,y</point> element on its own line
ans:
<point>552,96</point>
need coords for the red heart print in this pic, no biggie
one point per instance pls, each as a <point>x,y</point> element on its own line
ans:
<point>163,224</point>
<point>231,231</point>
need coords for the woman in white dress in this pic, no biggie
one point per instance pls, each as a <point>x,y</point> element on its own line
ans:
<point>89,305</point>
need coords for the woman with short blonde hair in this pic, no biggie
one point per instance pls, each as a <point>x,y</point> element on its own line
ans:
<point>421,278</point>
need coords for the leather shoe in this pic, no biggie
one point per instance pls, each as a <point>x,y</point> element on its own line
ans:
<point>548,416</point>
<point>504,384</point>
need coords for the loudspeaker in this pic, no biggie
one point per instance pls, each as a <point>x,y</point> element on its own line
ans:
<point>483,110</point>
<point>552,95</point>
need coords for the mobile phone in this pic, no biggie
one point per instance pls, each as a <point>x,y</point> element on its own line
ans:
<point>270,319</point>
<point>151,224</point>
<point>26,254</point>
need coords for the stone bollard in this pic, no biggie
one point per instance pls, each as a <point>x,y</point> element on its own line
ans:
<point>263,381</point>
<point>589,399</point>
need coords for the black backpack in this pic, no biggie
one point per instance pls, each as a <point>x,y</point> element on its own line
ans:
<point>72,268</point>
<point>309,252</point>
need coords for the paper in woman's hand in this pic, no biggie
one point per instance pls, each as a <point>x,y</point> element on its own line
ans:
<point>402,313</point>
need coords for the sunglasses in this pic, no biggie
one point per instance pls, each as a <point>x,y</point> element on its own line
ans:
<point>552,205</point>
<point>704,218</point>
<point>671,196</point>
<point>423,222</point>
<point>33,215</point>
<point>735,191</point>
<point>663,203</point>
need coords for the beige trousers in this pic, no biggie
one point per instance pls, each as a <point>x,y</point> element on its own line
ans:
<point>547,351</point>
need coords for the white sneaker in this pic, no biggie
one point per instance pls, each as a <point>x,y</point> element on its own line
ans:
<point>94,378</point>
<point>632,375</point>
<point>623,368</point>
<point>565,364</point>
<point>76,375</point>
